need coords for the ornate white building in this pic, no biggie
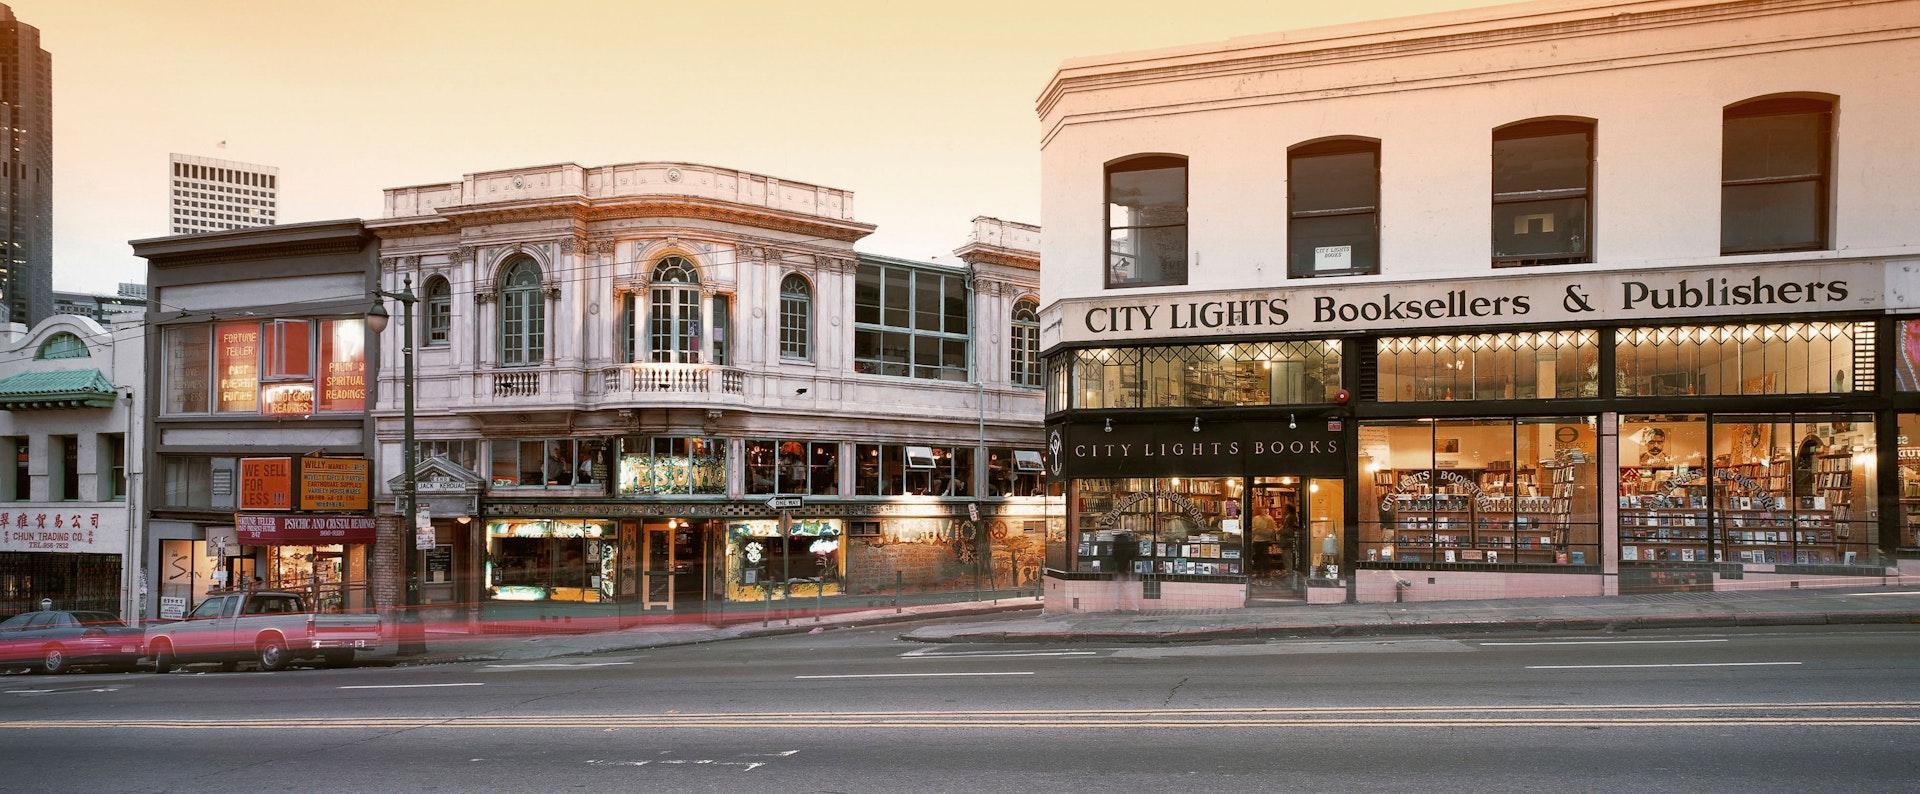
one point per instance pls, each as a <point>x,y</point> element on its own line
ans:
<point>619,365</point>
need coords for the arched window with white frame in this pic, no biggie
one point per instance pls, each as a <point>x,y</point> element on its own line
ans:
<point>1024,344</point>
<point>796,318</point>
<point>523,315</point>
<point>673,312</point>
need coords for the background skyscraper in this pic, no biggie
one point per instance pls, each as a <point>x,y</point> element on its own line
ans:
<point>211,195</point>
<point>26,199</point>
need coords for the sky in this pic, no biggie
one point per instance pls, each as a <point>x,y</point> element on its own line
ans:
<point>923,108</point>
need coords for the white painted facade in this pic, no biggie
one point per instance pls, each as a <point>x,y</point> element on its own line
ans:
<point>1430,89</point>
<point>1658,81</point>
<point>99,522</point>
<point>596,236</point>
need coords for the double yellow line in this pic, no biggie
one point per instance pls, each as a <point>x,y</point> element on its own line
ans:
<point>1827,714</point>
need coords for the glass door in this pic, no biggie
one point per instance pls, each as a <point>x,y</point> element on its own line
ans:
<point>1275,544</point>
<point>1325,524</point>
<point>657,568</point>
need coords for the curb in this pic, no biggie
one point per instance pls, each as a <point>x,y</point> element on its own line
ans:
<point>1639,623</point>
<point>719,634</point>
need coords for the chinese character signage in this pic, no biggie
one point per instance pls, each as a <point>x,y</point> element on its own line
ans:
<point>266,483</point>
<point>63,531</point>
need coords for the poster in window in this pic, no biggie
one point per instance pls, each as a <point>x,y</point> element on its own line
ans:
<point>1333,257</point>
<point>343,354</point>
<point>236,358</point>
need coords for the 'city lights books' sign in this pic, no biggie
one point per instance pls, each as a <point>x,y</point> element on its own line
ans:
<point>1656,296</point>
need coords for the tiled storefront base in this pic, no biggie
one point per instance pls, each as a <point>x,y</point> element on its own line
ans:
<point>1108,595</point>
<point>1376,586</point>
<point>1068,595</point>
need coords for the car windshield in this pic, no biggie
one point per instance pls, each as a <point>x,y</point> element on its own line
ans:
<point>98,619</point>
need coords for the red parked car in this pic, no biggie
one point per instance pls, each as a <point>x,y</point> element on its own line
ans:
<point>56,641</point>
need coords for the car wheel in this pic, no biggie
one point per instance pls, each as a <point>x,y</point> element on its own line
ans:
<point>53,661</point>
<point>340,658</point>
<point>273,653</point>
<point>163,657</point>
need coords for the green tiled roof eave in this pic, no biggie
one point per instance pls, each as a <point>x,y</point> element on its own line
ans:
<point>31,391</point>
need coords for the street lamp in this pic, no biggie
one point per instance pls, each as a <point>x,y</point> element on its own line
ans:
<point>412,635</point>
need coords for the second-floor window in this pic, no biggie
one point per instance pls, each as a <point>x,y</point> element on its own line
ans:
<point>277,367</point>
<point>439,319</point>
<point>796,318</point>
<point>910,322</point>
<point>1773,175</point>
<point>523,316</point>
<point>792,466</point>
<point>1542,178</point>
<point>673,313</point>
<point>1024,344</point>
<point>1333,209</point>
<point>1147,221</point>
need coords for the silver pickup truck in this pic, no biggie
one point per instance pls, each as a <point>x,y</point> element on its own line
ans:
<point>266,626</point>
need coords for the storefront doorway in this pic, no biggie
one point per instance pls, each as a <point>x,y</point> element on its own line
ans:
<point>673,565</point>
<point>1295,535</point>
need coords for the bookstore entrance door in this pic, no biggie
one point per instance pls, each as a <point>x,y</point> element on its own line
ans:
<point>1273,539</point>
<point>1294,527</point>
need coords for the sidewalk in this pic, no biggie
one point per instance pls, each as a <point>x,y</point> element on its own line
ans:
<point>1022,622</point>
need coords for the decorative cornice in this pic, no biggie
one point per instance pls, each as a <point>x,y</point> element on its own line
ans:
<point>632,207</point>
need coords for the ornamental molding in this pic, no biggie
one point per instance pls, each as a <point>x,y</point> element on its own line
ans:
<point>464,255</point>
<point>678,208</point>
<point>552,291</point>
<point>605,245</point>
<point>485,295</point>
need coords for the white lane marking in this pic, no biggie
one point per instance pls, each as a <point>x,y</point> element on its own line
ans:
<point>406,686</point>
<point>905,675</point>
<point>993,654</point>
<point>551,664</point>
<point>62,691</point>
<point>1607,666</point>
<point>1601,642</point>
<point>1869,595</point>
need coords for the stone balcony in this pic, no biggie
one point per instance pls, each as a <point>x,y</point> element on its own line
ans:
<point>673,383</point>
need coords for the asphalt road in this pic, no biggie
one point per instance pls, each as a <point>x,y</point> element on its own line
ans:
<point>1773,710</point>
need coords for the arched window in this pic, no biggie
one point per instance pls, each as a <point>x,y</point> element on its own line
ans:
<point>523,316</point>
<point>439,312</point>
<point>1025,344</point>
<point>1542,180</point>
<point>63,345</point>
<point>1333,208</point>
<point>1774,160</point>
<point>673,318</point>
<point>1147,221</point>
<point>796,318</point>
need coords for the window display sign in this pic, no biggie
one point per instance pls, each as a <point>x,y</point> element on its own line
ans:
<point>266,483</point>
<point>334,484</point>
<point>343,352</point>
<point>287,399</point>
<point>236,357</point>
<point>303,530</point>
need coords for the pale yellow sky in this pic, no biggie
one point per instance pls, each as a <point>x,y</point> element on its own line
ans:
<point>923,109</point>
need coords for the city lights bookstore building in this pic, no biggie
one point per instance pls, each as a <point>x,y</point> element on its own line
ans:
<point>1556,434</point>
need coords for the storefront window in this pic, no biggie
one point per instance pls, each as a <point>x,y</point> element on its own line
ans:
<point>546,463</point>
<point>910,470</point>
<point>554,560</point>
<point>795,467</point>
<point>1776,489</point>
<point>1908,356</point>
<point>1909,457</point>
<point>331,577</point>
<point>1176,526</point>
<point>1484,491</point>
<point>1509,366</point>
<point>1788,358</point>
<point>1200,376</point>
<point>1015,472</point>
<point>672,465</point>
<point>800,560</point>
